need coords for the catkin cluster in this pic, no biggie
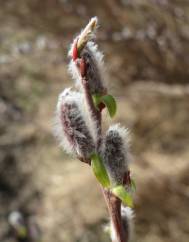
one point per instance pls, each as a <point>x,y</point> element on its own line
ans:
<point>76,127</point>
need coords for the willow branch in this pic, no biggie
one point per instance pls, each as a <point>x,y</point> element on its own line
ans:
<point>113,203</point>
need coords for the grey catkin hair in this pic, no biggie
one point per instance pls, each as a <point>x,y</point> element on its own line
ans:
<point>94,63</point>
<point>72,130</point>
<point>94,68</point>
<point>127,215</point>
<point>116,153</point>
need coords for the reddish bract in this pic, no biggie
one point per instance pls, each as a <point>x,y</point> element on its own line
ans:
<point>75,51</point>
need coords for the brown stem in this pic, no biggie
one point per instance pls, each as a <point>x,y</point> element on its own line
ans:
<point>89,99</point>
<point>113,203</point>
<point>114,208</point>
<point>96,115</point>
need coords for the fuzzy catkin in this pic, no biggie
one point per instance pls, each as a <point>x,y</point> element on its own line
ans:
<point>94,68</point>
<point>93,60</point>
<point>115,153</point>
<point>73,133</point>
<point>87,33</point>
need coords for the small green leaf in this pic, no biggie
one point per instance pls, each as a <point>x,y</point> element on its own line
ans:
<point>96,99</point>
<point>107,100</point>
<point>22,232</point>
<point>110,103</point>
<point>133,185</point>
<point>100,170</point>
<point>122,194</point>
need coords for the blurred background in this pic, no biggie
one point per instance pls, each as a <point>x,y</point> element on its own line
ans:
<point>147,58</point>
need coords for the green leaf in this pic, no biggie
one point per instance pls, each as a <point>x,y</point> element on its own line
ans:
<point>110,103</point>
<point>22,232</point>
<point>100,170</point>
<point>122,194</point>
<point>96,99</point>
<point>107,100</point>
<point>133,185</point>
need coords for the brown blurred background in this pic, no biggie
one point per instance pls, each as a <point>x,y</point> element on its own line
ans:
<point>147,58</point>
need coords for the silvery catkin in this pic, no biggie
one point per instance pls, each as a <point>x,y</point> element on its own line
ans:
<point>116,154</point>
<point>72,130</point>
<point>93,59</point>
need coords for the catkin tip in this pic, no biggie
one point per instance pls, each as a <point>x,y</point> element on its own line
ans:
<point>87,33</point>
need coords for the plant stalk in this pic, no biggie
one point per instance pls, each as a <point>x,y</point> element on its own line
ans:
<point>113,203</point>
